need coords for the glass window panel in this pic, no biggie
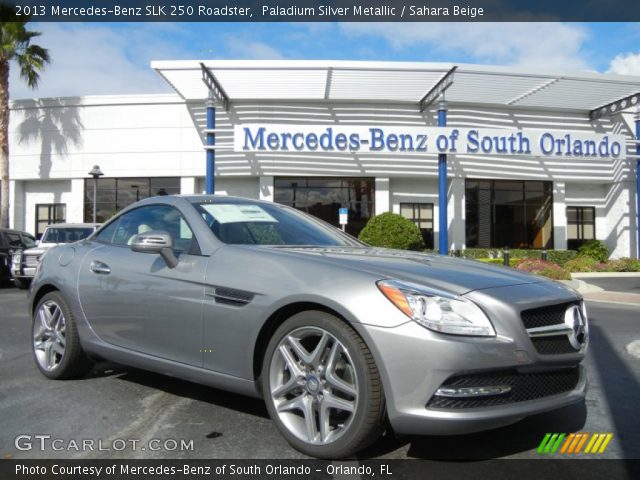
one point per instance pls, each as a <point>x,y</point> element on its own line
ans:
<point>508,185</point>
<point>406,210</point>
<point>535,186</point>
<point>572,232</point>
<point>117,193</point>
<point>502,215</point>
<point>42,211</point>
<point>323,197</point>
<point>507,196</point>
<point>14,240</point>
<point>588,215</point>
<point>588,232</point>
<point>572,214</point>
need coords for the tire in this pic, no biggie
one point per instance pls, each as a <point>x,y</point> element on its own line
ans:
<point>322,387</point>
<point>55,341</point>
<point>22,283</point>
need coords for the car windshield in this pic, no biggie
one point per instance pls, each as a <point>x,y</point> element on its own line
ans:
<point>66,234</point>
<point>269,224</point>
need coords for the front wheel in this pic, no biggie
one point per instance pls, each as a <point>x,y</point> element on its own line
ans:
<point>322,387</point>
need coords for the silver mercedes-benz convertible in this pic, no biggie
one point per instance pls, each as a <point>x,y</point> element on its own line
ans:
<point>341,340</point>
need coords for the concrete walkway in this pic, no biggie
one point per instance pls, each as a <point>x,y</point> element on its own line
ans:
<point>594,293</point>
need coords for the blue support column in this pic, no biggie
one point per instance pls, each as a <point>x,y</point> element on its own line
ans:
<point>638,179</point>
<point>443,235</point>
<point>210,182</point>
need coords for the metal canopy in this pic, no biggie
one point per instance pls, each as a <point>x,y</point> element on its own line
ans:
<point>397,82</point>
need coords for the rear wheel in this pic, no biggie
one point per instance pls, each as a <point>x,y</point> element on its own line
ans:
<point>322,387</point>
<point>55,339</point>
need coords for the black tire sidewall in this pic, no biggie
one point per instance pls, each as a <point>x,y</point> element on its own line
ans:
<point>352,440</point>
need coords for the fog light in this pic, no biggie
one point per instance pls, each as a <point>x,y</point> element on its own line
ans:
<point>453,392</point>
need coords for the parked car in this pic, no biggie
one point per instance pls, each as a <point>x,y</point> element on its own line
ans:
<point>341,339</point>
<point>24,263</point>
<point>12,242</point>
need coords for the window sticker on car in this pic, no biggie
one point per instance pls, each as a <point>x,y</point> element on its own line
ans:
<point>227,213</point>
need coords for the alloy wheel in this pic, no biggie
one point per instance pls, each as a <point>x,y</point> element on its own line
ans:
<point>49,335</point>
<point>314,386</point>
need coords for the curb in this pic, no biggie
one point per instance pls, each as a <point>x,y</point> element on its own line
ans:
<point>581,286</point>
<point>579,275</point>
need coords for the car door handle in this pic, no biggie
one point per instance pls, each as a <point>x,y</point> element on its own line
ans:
<point>99,268</point>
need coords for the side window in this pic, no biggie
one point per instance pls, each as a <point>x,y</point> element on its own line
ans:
<point>28,241</point>
<point>153,217</point>
<point>106,234</point>
<point>14,240</point>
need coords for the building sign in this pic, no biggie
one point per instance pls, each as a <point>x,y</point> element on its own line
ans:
<point>396,139</point>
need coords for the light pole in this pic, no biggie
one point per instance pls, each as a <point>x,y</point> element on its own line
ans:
<point>96,173</point>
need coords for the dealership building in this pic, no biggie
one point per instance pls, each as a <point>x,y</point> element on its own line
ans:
<point>476,156</point>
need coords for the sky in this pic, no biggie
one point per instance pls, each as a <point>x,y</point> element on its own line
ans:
<point>114,58</point>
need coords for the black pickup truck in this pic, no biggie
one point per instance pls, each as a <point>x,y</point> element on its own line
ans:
<point>12,241</point>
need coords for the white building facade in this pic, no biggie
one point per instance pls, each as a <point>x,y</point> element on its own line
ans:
<point>155,144</point>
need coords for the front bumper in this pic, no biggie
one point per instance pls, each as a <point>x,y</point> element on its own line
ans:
<point>24,273</point>
<point>414,362</point>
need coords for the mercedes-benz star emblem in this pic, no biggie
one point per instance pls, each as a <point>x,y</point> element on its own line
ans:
<point>578,334</point>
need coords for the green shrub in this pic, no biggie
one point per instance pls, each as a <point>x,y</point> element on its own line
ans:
<point>499,261</point>
<point>544,268</point>
<point>619,265</point>
<point>595,249</point>
<point>556,256</point>
<point>561,257</point>
<point>391,230</point>
<point>581,264</point>
<point>476,253</point>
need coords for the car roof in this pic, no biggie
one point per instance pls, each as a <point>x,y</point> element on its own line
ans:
<point>13,230</point>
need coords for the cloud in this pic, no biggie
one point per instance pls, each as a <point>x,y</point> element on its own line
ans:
<point>98,59</point>
<point>625,64</point>
<point>240,48</point>
<point>540,45</point>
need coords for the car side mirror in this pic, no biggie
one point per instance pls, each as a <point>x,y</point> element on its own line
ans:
<point>158,242</point>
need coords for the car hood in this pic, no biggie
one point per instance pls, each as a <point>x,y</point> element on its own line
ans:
<point>35,251</point>
<point>449,274</point>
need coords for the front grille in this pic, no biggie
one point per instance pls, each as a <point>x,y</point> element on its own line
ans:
<point>31,260</point>
<point>553,345</point>
<point>549,342</point>
<point>545,316</point>
<point>524,387</point>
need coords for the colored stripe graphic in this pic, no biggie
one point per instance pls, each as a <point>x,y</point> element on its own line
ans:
<point>551,442</point>
<point>573,443</point>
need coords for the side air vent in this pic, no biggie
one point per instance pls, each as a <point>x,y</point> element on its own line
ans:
<point>231,296</point>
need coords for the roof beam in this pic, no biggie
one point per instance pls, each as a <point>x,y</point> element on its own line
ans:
<point>533,91</point>
<point>327,88</point>
<point>214,86</point>
<point>438,89</point>
<point>615,107</point>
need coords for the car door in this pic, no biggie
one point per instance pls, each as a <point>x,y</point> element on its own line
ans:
<point>134,300</point>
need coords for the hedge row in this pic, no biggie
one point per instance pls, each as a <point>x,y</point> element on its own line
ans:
<point>556,256</point>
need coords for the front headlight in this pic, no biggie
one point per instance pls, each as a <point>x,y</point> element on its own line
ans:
<point>16,259</point>
<point>436,310</point>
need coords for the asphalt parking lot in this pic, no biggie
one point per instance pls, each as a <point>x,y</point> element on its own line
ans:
<point>163,414</point>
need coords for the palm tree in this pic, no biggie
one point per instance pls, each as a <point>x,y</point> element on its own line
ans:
<point>15,45</point>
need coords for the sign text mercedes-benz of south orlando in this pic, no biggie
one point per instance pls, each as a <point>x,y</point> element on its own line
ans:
<point>283,138</point>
